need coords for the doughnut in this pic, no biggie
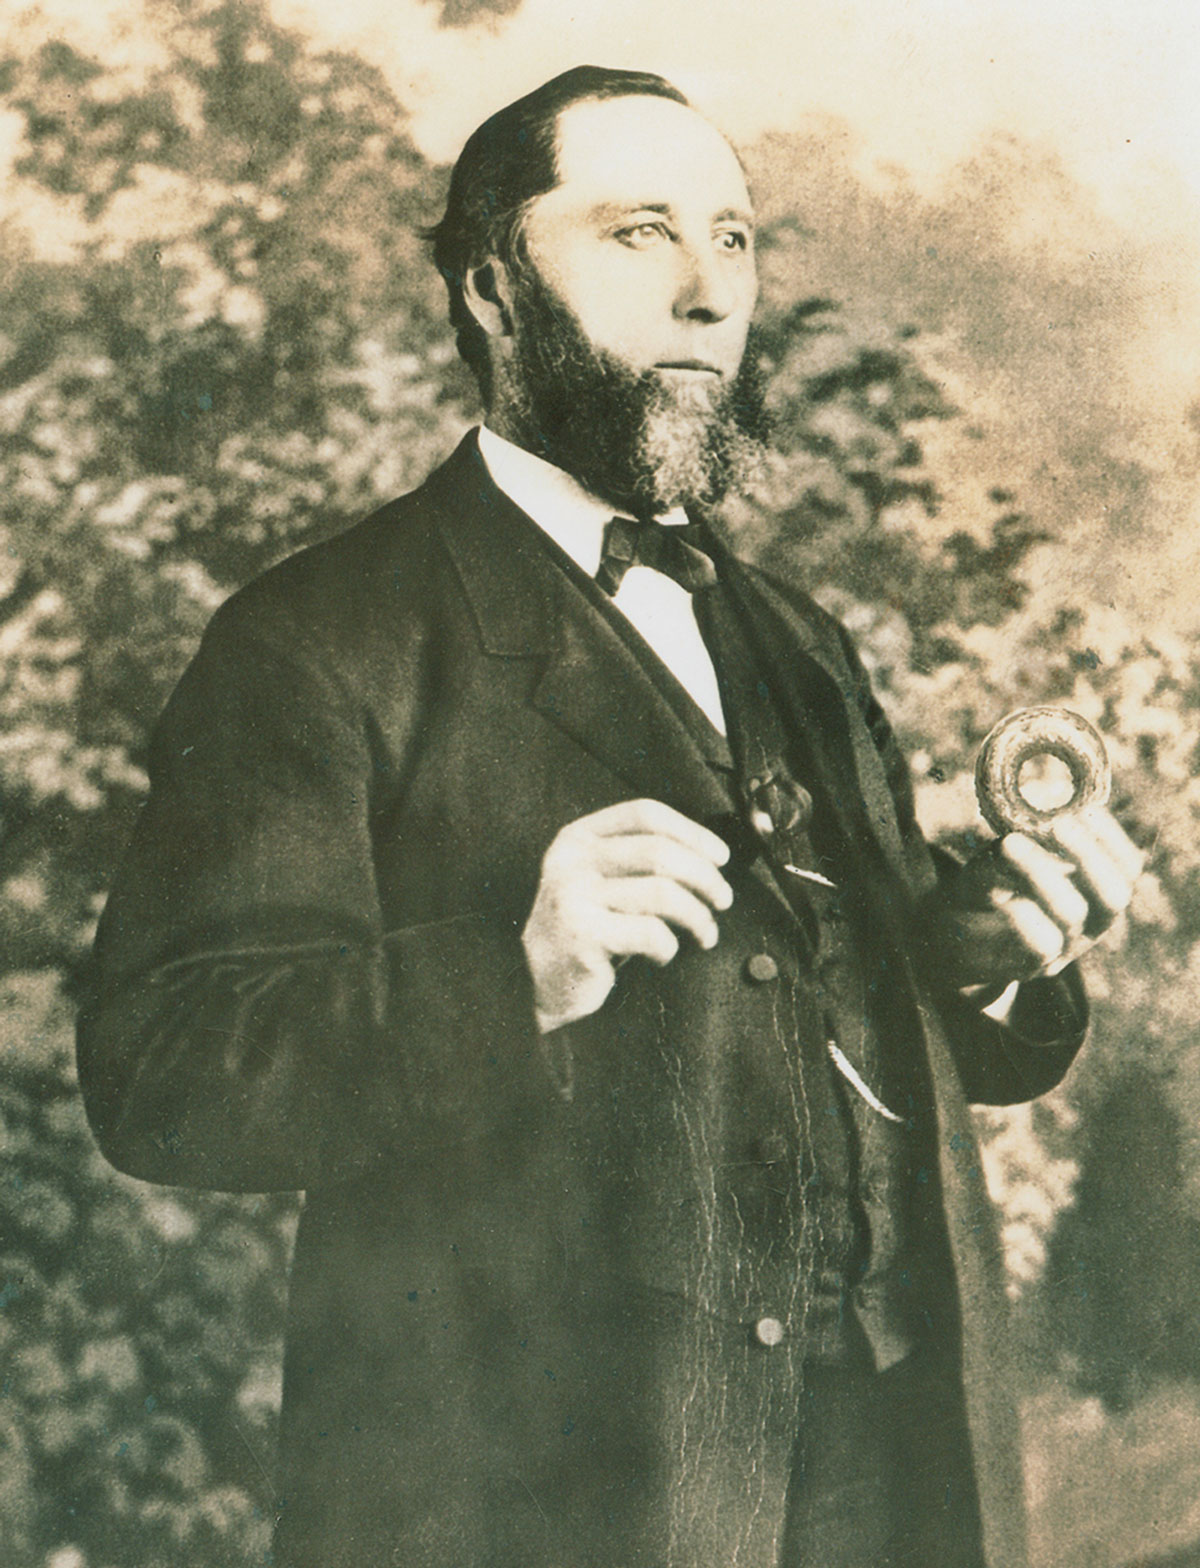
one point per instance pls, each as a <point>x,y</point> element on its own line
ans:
<point>1038,732</point>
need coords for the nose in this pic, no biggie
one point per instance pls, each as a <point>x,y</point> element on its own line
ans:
<point>707,289</point>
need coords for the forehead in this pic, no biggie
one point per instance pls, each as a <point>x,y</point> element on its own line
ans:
<point>643,150</point>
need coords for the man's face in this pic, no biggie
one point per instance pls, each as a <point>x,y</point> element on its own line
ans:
<point>630,319</point>
<point>648,238</point>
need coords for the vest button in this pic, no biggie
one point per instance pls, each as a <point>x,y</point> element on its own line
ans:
<point>762,967</point>
<point>769,1332</point>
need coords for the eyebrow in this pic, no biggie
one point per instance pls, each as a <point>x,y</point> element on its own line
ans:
<point>616,209</point>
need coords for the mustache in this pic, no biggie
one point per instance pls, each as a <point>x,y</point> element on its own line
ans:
<point>553,339</point>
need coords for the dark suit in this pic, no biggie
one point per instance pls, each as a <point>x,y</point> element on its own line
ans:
<point>528,1267</point>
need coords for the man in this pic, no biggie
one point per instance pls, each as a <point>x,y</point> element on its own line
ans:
<point>542,894</point>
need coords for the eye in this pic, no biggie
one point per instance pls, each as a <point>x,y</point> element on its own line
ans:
<point>735,241</point>
<point>640,236</point>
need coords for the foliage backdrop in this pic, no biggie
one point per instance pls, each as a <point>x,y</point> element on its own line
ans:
<point>241,347</point>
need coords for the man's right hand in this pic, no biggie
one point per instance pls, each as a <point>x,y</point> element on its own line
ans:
<point>623,881</point>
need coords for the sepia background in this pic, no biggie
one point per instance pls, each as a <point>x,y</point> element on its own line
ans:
<point>221,337</point>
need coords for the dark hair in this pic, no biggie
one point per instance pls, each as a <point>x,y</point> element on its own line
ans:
<point>509,160</point>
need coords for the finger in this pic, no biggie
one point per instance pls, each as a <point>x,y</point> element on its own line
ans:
<point>1120,846</point>
<point>1037,932</point>
<point>1108,885</point>
<point>657,818</point>
<point>1048,878</point>
<point>667,900</point>
<point>1109,832</point>
<point>634,936</point>
<point>1057,965</point>
<point>651,855</point>
<point>1109,861</point>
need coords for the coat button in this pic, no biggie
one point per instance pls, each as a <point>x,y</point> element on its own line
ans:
<point>762,967</point>
<point>769,1332</point>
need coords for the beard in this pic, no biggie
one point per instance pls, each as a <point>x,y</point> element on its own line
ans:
<point>643,443</point>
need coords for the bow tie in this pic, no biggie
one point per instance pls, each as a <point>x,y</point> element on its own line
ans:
<point>678,552</point>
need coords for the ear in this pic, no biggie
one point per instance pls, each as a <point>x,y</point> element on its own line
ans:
<point>488,296</point>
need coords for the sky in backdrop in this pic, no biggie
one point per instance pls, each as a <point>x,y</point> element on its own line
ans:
<point>1112,86</point>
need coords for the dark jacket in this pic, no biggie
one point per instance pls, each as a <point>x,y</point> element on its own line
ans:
<point>528,1267</point>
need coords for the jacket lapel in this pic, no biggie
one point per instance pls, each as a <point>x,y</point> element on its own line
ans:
<point>592,685</point>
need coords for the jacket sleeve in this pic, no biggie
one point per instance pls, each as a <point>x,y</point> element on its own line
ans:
<point>999,1063</point>
<point>247,1022</point>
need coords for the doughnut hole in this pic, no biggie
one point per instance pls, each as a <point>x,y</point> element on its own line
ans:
<point>1046,782</point>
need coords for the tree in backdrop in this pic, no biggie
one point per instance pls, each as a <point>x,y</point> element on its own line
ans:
<point>241,347</point>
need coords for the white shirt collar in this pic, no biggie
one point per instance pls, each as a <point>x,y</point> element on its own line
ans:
<point>573,517</point>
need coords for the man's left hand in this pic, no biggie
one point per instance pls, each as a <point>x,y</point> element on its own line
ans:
<point>1021,908</point>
